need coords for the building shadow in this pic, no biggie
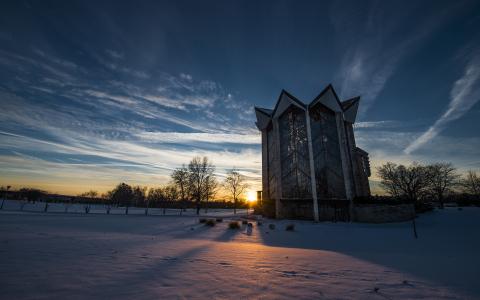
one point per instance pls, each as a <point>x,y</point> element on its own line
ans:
<point>439,254</point>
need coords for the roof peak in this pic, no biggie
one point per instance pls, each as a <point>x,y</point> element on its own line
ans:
<point>333,102</point>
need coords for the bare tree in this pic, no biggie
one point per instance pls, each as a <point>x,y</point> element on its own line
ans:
<point>171,194</point>
<point>33,195</point>
<point>107,197</point>
<point>390,180</point>
<point>409,182</point>
<point>122,194</point>
<point>199,170</point>
<point>471,183</point>
<point>180,177</point>
<point>5,190</point>
<point>91,195</point>
<point>235,184</point>
<point>139,195</point>
<point>156,195</point>
<point>442,178</point>
<point>211,188</point>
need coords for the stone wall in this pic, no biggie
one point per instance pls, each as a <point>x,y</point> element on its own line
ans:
<point>337,211</point>
<point>296,209</point>
<point>375,213</point>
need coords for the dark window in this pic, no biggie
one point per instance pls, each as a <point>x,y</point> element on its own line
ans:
<point>326,153</point>
<point>271,155</point>
<point>294,154</point>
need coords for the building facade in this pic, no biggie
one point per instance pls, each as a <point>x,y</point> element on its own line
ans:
<point>311,166</point>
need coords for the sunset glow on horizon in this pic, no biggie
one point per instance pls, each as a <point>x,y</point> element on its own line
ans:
<point>251,196</point>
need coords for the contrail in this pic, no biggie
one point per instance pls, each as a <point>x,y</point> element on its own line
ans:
<point>464,95</point>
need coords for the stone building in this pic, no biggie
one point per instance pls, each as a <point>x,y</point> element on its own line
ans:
<point>311,167</point>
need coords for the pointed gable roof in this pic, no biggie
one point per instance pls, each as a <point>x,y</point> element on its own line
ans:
<point>285,100</point>
<point>263,117</point>
<point>350,109</point>
<point>347,103</point>
<point>329,98</point>
<point>264,110</point>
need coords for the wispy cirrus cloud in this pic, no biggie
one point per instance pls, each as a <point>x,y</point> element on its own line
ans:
<point>374,47</point>
<point>195,137</point>
<point>384,145</point>
<point>58,119</point>
<point>464,94</point>
<point>115,54</point>
<point>115,160</point>
<point>377,124</point>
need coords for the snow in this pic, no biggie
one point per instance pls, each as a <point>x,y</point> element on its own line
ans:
<point>98,256</point>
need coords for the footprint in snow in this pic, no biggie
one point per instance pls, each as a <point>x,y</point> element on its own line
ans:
<point>293,274</point>
<point>168,258</point>
<point>289,273</point>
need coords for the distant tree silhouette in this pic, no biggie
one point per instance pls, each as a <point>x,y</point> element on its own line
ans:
<point>90,195</point>
<point>5,191</point>
<point>210,190</point>
<point>442,177</point>
<point>122,194</point>
<point>200,169</point>
<point>409,182</point>
<point>107,196</point>
<point>156,195</point>
<point>32,194</point>
<point>471,183</point>
<point>235,184</point>
<point>139,195</point>
<point>170,193</point>
<point>181,177</point>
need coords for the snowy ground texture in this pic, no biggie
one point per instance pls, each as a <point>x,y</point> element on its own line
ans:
<point>95,256</point>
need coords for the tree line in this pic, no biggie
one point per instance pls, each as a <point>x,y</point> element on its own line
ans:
<point>195,183</point>
<point>428,182</point>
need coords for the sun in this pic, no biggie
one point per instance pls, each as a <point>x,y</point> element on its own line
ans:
<point>251,196</point>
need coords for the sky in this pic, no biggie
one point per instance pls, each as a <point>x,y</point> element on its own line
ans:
<point>94,93</point>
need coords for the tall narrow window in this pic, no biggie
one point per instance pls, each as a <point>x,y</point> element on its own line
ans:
<point>294,154</point>
<point>326,153</point>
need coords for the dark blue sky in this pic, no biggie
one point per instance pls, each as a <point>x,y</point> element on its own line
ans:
<point>97,92</point>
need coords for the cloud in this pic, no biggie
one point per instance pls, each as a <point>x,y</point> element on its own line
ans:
<point>384,145</point>
<point>186,76</point>
<point>464,95</point>
<point>58,68</point>
<point>117,98</point>
<point>377,124</point>
<point>163,101</point>
<point>60,62</point>
<point>59,124</point>
<point>115,54</point>
<point>186,138</point>
<point>374,45</point>
<point>117,160</point>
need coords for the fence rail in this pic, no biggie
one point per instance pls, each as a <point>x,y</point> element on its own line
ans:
<point>85,208</point>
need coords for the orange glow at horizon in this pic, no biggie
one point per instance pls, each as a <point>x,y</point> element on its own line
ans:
<point>251,196</point>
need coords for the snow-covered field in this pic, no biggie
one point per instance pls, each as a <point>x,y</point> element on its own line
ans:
<point>96,256</point>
